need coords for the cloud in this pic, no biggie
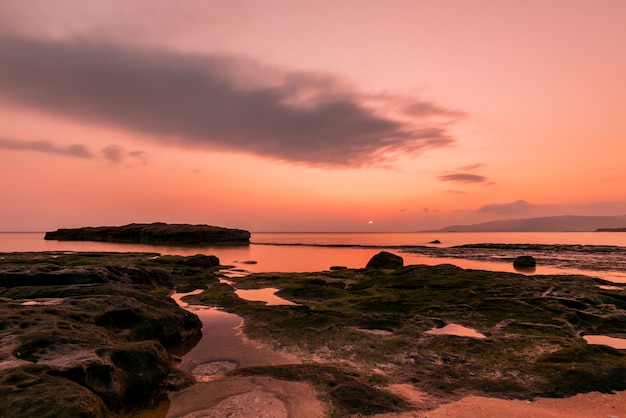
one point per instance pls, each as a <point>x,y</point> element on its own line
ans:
<point>76,150</point>
<point>471,167</point>
<point>519,206</point>
<point>466,174</point>
<point>114,153</point>
<point>217,102</point>
<point>463,178</point>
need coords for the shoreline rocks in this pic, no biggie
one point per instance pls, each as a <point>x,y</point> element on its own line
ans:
<point>86,334</point>
<point>155,233</point>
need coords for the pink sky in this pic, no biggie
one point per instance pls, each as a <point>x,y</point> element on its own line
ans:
<point>310,115</point>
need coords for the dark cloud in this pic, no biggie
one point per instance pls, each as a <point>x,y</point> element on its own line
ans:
<point>463,178</point>
<point>465,174</point>
<point>215,102</point>
<point>77,150</point>
<point>114,153</point>
<point>519,206</point>
<point>426,109</point>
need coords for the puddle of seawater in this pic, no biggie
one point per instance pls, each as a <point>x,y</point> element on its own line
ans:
<point>374,331</point>
<point>178,297</point>
<point>42,301</point>
<point>267,295</point>
<point>458,330</point>
<point>235,271</point>
<point>605,287</point>
<point>222,341</point>
<point>618,343</point>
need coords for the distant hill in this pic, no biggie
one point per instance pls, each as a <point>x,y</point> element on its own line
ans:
<point>565,223</point>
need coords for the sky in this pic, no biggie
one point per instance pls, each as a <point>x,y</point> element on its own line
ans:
<point>310,115</point>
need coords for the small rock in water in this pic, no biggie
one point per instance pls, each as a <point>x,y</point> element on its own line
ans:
<point>338,268</point>
<point>435,241</point>
<point>524,262</point>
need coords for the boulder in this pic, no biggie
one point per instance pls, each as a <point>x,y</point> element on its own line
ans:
<point>524,262</point>
<point>385,260</point>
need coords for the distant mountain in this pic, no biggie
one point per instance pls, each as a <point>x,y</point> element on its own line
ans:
<point>565,223</point>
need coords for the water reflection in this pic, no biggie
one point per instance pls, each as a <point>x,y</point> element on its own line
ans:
<point>601,255</point>
<point>618,343</point>
<point>454,329</point>
<point>374,331</point>
<point>267,295</point>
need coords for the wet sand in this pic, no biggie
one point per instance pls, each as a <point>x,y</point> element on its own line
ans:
<point>587,405</point>
<point>245,397</point>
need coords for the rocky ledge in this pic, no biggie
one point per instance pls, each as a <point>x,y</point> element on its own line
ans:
<point>88,334</point>
<point>155,233</point>
<point>441,330</point>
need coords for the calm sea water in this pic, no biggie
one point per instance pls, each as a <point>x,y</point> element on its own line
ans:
<point>591,253</point>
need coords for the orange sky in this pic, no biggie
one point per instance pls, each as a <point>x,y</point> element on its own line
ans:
<point>310,115</point>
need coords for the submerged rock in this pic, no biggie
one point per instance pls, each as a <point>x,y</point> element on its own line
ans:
<point>155,233</point>
<point>385,260</point>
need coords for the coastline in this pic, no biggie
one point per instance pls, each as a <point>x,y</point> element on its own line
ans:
<point>360,335</point>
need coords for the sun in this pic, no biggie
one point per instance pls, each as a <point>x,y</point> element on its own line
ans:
<point>370,222</point>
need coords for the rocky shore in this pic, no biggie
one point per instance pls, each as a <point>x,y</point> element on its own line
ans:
<point>86,334</point>
<point>155,233</point>
<point>440,331</point>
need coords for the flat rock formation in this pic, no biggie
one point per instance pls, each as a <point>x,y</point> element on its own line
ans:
<point>361,331</point>
<point>611,230</point>
<point>86,334</point>
<point>155,233</point>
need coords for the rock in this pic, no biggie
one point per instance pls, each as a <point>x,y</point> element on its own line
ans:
<point>30,391</point>
<point>435,241</point>
<point>200,260</point>
<point>155,233</point>
<point>524,262</point>
<point>84,334</point>
<point>335,268</point>
<point>385,260</point>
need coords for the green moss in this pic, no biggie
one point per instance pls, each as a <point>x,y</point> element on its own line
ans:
<point>524,317</point>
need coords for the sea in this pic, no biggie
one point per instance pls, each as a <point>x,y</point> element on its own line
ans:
<point>596,254</point>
